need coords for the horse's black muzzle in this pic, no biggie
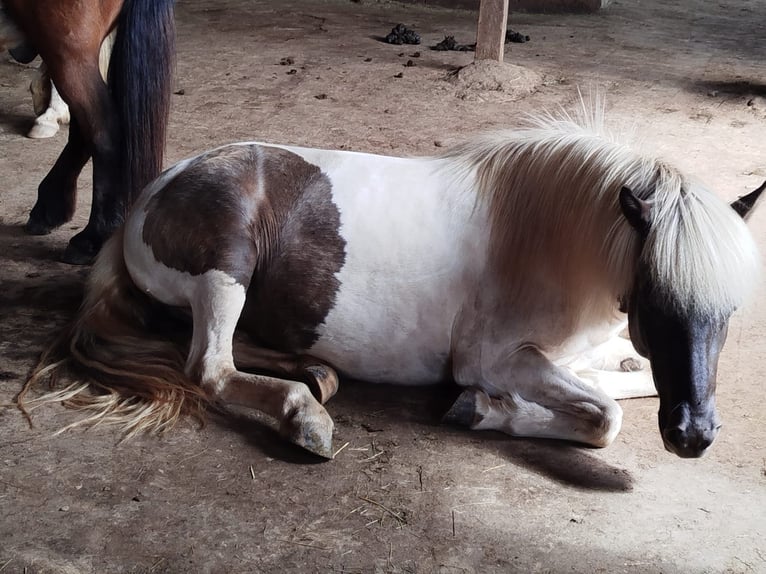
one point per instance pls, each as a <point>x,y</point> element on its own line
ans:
<point>687,433</point>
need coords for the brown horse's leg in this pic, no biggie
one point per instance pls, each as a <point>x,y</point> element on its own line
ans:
<point>58,191</point>
<point>69,40</point>
<point>110,198</point>
<point>94,130</point>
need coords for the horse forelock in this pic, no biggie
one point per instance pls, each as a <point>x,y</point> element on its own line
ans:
<point>700,253</point>
<point>552,192</point>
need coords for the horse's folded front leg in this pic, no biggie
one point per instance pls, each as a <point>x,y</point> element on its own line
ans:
<point>531,397</point>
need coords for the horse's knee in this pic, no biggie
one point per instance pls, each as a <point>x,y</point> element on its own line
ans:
<point>606,423</point>
<point>212,376</point>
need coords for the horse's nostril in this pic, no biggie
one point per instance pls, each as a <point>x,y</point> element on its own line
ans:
<point>675,436</point>
<point>704,442</point>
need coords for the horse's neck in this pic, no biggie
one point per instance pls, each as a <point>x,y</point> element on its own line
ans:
<point>543,313</point>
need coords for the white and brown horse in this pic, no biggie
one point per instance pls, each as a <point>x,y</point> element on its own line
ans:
<point>505,265</point>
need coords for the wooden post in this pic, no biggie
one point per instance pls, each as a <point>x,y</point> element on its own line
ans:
<point>490,37</point>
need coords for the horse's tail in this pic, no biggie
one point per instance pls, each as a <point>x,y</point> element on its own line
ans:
<point>124,365</point>
<point>140,79</point>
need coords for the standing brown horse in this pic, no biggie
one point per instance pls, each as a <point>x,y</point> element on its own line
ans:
<point>121,127</point>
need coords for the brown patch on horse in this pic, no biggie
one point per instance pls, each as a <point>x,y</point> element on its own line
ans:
<point>208,216</point>
<point>296,289</point>
<point>265,217</point>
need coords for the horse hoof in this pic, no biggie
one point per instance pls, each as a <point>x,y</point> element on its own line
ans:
<point>322,381</point>
<point>33,227</point>
<point>24,53</point>
<point>74,255</point>
<point>313,433</point>
<point>42,130</point>
<point>630,365</point>
<point>463,411</point>
<point>45,217</point>
<point>317,444</point>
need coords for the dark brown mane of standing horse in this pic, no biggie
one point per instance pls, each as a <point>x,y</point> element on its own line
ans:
<point>121,127</point>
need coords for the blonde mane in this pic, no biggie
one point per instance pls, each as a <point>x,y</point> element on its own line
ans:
<point>552,193</point>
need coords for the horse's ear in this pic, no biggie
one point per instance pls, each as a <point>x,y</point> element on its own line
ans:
<point>744,205</point>
<point>636,210</point>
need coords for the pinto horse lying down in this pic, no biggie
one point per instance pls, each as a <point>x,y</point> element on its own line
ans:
<point>506,265</point>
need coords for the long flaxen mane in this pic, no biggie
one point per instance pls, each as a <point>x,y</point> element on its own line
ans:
<point>552,194</point>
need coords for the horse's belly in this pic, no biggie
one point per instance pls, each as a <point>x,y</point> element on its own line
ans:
<point>370,348</point>
<point>414,247</point>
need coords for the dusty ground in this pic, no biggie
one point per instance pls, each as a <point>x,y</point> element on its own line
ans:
<point>406,494</point>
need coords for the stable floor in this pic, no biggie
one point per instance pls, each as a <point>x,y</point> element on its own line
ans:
<point>406,494</point>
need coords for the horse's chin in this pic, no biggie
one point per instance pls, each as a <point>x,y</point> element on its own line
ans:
<point>685,452</point>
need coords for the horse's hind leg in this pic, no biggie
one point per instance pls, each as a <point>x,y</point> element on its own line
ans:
<point>216,309</point>
<point>98,122</point>
<point>321,378</point>
<point>57,193</point>
<point>92,130</point>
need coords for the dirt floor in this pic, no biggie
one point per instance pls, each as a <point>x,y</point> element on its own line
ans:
<point>406,494</point>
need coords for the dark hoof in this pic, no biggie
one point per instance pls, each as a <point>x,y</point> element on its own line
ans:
<point>33,227</point>
<point>23,53</point>
<point>44,218</point>
<point>322,382</point>
<point>77,255</point>
<point>630,365</point>
<point>463,412</point>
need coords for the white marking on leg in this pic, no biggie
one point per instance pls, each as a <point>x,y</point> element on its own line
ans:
<point>48,104</point>
<point>216,305</point>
